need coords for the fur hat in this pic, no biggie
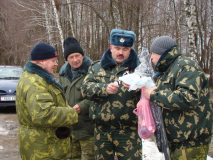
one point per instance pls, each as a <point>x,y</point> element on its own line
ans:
<point>122,38</point>
<point>42,51</point>
<point>162,44</point>
<point>71,45</point>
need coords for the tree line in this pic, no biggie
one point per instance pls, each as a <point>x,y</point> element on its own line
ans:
<point>23,23</point>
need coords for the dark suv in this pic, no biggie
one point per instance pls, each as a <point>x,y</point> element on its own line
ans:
<point>9,77</point>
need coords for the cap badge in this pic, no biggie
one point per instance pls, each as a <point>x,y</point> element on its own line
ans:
<point>122,40</point>
<point>56,54</point>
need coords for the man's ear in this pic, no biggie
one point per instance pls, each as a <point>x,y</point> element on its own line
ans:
<point>110,48</point>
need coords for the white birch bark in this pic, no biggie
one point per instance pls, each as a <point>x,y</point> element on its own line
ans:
<point>70,18</point>
<point>190,9</point>
<point>48,25</point>
<point>58,24</point>
<point>90,32</point>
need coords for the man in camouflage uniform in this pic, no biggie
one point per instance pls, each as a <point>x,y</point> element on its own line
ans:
<point>71,76</point>
<point>112,104</point>
<point>42,109</point>
<point>184,95</point>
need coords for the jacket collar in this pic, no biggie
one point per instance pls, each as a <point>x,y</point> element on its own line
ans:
<point>35,69</point>
<point>131,62</point>
<point>83,69</point>
<point>166,60</point>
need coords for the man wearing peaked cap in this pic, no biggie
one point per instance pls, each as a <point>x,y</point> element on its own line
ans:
<point>182,90</point>
<point>112,104</point>
<point>71,76</point>
<point>43,112</point>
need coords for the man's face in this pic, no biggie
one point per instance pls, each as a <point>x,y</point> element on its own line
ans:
<point>155,57</point>
<point>75,60</point>
<point>120,54</point>
<point>50,64</point>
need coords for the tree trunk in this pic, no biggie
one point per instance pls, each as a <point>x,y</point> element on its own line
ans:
<point>48,24</point>
<point>58,24</point>
<point>190,9</point>
<point>211,59</point>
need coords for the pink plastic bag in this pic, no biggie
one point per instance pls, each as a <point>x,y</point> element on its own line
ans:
<point>146,123</point>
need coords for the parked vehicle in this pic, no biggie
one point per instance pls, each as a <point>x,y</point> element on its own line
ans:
<point>9,77</point>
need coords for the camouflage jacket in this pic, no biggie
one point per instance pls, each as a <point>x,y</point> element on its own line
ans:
<point>184,95</point>
<point>114,111</point>
<point>42,109</point>
<point>84,128</point>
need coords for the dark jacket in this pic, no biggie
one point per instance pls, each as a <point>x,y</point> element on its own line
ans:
<point>184,95</point>
<point>84,128</point>
<point>114,111</point>
<point>42,109</point>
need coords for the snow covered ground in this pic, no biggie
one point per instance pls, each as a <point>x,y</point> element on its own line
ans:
<point>150,150</point>
<point>209,158</point>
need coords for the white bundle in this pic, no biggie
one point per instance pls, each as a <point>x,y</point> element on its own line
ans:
<point>135,81</point>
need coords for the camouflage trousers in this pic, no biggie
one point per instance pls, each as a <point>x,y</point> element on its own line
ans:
<point>193,153</point>
<point>82,149</point>
<point>126,145</point>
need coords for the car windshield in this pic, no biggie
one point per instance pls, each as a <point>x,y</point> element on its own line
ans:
<point>10,73</point>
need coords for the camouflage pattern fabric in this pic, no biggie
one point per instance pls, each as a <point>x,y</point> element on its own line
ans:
<point>183,93</point>
<point>41,109</point>
<point>113,112</point>
<point>127,145</point>
<point>82,149</point>
<point>193,153</point>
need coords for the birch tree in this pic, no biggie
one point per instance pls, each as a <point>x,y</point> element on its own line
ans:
<point>48,24</point>
<point>211,42</point>
<point>70,17</point>
<point>190,9</point>
<point>61,35</point>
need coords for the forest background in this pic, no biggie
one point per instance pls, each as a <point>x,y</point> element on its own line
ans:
<point>23,23</point>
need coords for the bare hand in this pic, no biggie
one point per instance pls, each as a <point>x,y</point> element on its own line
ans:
<point>112,88</point>
<point>126,85</point>
<point>78,109</point>
<point>147,91</point>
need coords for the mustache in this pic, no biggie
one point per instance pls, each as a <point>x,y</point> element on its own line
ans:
<point>120,55</point>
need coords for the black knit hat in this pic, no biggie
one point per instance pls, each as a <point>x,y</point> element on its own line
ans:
<point>42,51</point>
<point>71,45</point>
<point>162,44</point>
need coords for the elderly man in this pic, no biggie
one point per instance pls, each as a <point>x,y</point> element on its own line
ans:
<point>42,109</point>
<point>71,76</point>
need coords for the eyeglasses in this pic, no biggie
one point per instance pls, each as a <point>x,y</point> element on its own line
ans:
<point>54,60</point>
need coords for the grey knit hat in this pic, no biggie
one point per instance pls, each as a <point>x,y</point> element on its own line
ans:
<point>161,44</point>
